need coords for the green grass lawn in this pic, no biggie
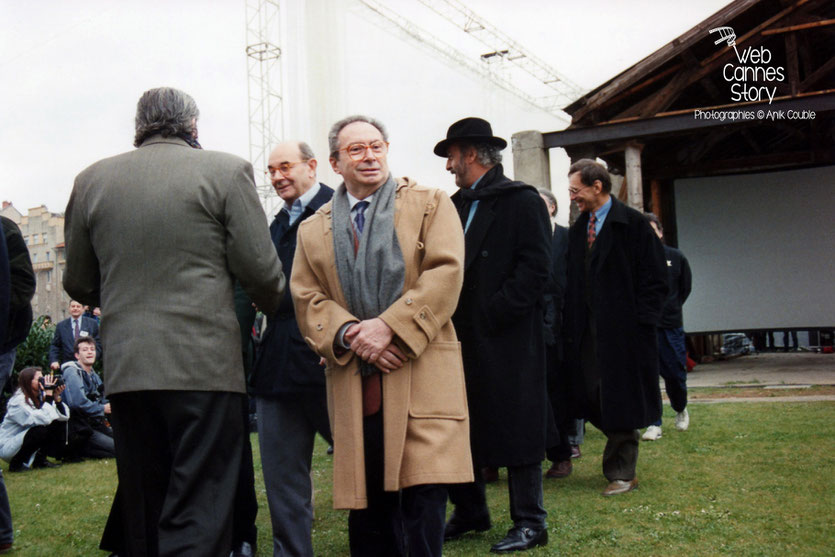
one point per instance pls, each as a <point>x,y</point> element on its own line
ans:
<point>747,479</point>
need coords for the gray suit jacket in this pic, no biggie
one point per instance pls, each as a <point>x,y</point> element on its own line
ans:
<point>156,238</point>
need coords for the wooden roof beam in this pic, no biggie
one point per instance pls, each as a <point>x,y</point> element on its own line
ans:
<point>799,27</point>
<point>823,71</point>
<point>659,57</point>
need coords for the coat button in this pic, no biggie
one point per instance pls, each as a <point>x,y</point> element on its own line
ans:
<point>408,301</point>
<point>484,253</point>
<point>422,315</point>
<point>319,327</point>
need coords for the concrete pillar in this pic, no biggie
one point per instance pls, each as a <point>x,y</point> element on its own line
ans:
<point>531,163</point>
<point>633,176</point>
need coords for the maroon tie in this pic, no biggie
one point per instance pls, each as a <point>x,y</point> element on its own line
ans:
<point>76,332</point>
<point>592,228</point>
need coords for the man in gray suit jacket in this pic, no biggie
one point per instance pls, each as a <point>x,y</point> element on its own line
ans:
<point>156,237</point>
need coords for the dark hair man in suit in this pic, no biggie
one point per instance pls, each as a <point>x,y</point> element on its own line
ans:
<point>287,379</point>
<point>617,282</point>
<point>507,265</point>
<point>68,331</point>
<point>156,237</point>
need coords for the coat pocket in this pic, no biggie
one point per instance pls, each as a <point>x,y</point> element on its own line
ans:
<point>437,383</point>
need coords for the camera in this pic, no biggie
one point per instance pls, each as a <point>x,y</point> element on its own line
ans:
<point>58,382</point>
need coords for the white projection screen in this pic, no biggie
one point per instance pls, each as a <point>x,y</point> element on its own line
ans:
<point>762,250</point>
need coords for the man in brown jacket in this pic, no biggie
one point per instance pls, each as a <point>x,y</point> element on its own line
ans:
<point>376,278</point>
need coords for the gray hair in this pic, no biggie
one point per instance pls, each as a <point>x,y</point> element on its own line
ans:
<point>165,111</point>
<point>485,154</point>
<point>333,135</point>
<point>305,151</point>
<point>552,199</point>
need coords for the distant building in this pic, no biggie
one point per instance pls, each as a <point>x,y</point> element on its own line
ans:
<point>10,212</point>
<point>44,235</point>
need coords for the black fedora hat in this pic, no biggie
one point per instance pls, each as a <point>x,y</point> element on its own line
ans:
<point>469,129</point>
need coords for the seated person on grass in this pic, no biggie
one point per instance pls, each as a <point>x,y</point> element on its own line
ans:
<point>85,397</point>
<point>35,423</point>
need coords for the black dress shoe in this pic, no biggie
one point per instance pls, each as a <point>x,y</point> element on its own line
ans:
<point>456,528</point>
<point>520,539</point>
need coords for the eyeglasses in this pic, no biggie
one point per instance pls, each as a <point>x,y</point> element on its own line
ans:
<point>575,191</point>
<point>357,150</point>
<point>284,168</point>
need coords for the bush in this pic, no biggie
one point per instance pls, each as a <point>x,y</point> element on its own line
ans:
<point>34,351</point>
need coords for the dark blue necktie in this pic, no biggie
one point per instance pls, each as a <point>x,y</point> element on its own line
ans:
<point>359,219</point>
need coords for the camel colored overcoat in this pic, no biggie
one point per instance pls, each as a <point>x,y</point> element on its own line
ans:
<point>425,417</point>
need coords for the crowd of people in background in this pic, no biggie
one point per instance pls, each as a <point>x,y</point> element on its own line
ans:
<point>429,340</point>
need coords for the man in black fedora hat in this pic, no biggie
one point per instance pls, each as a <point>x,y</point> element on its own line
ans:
<point>499,323</point>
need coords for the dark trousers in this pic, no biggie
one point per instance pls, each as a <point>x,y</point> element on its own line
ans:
<point>409,522</point>
<point>620,455</point>
<point>524,484</point>
<point>287,428</point>
<point>50,440</point>
<point>178,455</point>
<point>672,364</point>
<point>560,425</point>
<point>6,529</point>
<point>246,504</point>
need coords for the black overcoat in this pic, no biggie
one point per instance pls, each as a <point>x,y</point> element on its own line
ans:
<point>499,320</point>
<point>628,281</point>
<point>284,363</point>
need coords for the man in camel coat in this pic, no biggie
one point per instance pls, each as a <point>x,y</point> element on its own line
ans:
<point>375,281</point>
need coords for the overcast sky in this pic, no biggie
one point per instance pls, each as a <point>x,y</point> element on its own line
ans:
<point>73,71</point>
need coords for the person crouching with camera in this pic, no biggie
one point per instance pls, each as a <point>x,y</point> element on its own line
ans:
<point>35,425</point>
<point>85,396</point>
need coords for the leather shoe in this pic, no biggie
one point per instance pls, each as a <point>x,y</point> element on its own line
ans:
<point>620,486</point>
<point>245,549</point>
<point>560,469</point>
<point>456,528</point>
<point>520,539</point>
<point>489,474</point>
<point>575,451</point>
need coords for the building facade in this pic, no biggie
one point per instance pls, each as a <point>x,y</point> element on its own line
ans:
<point>43,232</point>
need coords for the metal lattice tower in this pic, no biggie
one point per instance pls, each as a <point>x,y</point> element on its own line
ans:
<point>264,87</point>
<point>506,54</point>
<point>502,47</point>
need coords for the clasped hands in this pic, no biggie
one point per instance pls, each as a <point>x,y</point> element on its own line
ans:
<point>371,340</point>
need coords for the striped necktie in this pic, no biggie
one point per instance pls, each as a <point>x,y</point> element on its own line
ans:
<point>592,228</point>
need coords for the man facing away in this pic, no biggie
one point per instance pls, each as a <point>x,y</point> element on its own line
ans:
<point>84,394</point>
<point>499,319</point>
<point>375,280</point>
<point>68,331</point>
<point>617,282</point>
<point>287,379</point>
<point>672,353</point>
<point>156,238</point>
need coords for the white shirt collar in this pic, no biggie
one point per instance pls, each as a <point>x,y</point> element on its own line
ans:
<point>352,201</point>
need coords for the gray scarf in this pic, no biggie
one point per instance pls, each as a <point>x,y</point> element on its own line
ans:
<point>373,278</point>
